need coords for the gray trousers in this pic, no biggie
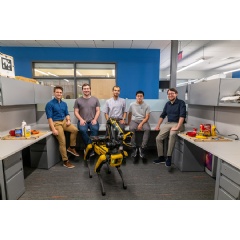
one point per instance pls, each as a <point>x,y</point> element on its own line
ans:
<point>146,134</point>
<point>165,132</point>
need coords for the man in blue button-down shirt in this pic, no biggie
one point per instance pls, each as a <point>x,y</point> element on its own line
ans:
<point>59,121</point>
<point>175,110</point>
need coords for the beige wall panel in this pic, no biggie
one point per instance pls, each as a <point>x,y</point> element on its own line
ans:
<point>102,88</point>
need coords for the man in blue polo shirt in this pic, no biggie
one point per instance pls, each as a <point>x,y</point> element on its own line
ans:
<point>59,121</point>
<point>175,110</point>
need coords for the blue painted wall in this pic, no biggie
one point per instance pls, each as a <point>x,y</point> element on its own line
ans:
<point>236,75</point>
<point>137,69</point>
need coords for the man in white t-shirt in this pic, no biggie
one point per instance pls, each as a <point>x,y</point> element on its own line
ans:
<point>115,108</point>
<point>138,116</point>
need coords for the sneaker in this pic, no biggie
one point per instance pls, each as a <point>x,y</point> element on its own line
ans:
<point>73,151</point>
<point>168,161</point>
<point>142,152</point>
<point>67,164</point>
<point>134,153</point>
<point>160,159</point>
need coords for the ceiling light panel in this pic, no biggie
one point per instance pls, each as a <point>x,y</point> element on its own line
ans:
<point>67,43</point>
<point>85,43</point>
<point>104,43</point>
<point>143,43</point>
<point>122,44</point>
<point>48,43</point>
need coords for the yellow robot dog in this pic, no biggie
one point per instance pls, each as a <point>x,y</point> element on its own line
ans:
<point>109,147</point>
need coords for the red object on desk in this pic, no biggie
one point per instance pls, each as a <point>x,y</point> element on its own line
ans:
<point>192,134</point>
<point>12,132</point>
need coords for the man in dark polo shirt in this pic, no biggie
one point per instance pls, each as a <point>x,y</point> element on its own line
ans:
<point>175,110</point>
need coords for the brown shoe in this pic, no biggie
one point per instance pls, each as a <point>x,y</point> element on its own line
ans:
<point>73,151</point>
<point>67,164</point>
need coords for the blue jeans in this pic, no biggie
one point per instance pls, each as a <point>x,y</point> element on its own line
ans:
<point>84,131</point>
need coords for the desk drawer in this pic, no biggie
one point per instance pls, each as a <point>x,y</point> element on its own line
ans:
<point>12,160</point>
<point>222,195</point>
<point>15,186</point>
<point>229,186</point>
<point>230,172</point>
<point>13,170</point>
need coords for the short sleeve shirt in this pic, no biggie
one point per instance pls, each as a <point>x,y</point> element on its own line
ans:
<point>87,107</point>
<point>139,111</point>
<point>115,108</point>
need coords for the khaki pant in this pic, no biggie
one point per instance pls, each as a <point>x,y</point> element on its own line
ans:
<point>61,127</point>
<point>165,132</point>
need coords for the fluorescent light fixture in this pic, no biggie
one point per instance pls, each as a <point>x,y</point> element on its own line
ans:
<point>53,74</point>
<point>182,84</point>
<point>113,72</point>
<point>190,65</point>
<point>79,73</point>
<point>66,80</point>
<point>235,70</point>
<point>108,75</point>
<point>41,72</point>
<point>216,76</point>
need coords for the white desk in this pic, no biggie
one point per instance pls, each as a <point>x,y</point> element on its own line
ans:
<point>227,151</point>
<point>9,147</point>
<point>11,166</point>
<point>228,166</point>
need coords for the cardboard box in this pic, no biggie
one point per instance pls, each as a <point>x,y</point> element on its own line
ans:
<point>7,68</point>
<point>26,79</point>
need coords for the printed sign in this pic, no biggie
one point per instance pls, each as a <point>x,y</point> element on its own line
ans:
<point>6,64</point>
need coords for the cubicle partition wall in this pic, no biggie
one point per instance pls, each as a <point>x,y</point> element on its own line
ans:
<point>205,105</point>
<point>156,106</point>
<point>18,101</point>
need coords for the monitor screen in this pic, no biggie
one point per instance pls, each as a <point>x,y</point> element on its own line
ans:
<point>164,84</point>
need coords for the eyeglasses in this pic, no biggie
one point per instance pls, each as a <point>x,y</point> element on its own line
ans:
<point>171,93</point>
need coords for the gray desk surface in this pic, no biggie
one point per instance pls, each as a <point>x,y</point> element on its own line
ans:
<point>227,151</point>
<point>9,147</point>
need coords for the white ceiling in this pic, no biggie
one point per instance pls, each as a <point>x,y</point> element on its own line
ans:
<point>219,55</point>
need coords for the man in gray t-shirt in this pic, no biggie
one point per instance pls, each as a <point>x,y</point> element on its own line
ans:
<point>87,111</point>
<point>138,116</point>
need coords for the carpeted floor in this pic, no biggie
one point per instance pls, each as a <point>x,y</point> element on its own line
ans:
<point>144,180</point>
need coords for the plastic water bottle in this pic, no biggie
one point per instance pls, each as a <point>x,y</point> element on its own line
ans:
<point>23,126</point>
